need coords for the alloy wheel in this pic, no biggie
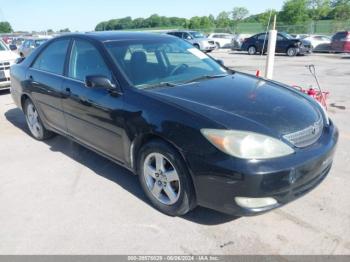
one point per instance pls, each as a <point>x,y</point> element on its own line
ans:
<point>33,121</point>
<point>161,178</point>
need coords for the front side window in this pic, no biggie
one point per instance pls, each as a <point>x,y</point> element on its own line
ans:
<point>53,57</point>
<point>149,63</point>
<point>86,60</point>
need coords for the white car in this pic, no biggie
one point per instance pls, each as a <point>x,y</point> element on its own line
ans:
<point>221,40</point>
<point>7,58</point>
<point>319,42</point>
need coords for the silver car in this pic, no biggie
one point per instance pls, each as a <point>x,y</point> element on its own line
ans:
<point>29,45</point>
<point>197,39</point>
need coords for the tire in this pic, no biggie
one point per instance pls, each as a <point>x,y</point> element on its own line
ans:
<point>217,45</point>
<point>197,46</point>
<point>34,123</point>
<point>251,50</point>
<point>292,51</point>
<point>165,179</point>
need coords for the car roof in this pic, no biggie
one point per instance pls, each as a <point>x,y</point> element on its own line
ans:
<point>107,36</point>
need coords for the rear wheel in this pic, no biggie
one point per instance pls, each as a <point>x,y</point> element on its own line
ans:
<point>292,51</point>
<point>34,123</point>
<point>165,179</point>
<point>252,50</point>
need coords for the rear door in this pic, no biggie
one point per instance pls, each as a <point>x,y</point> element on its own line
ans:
<point>93,115</point>
<point>45,79</point>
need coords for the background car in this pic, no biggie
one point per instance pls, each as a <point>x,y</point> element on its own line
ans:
<point>238,40</point>
<point>285,44</point>
<point>222,40</point>
<point>341,42</point>
<point>318,43</point>
<point>29,44</point>
<point>7,58</point>
<point>197,39</point>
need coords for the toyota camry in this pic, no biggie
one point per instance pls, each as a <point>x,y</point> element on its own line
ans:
<point>194,131</point>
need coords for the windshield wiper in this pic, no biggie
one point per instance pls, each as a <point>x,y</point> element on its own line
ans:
<point>206,77</point>
<point>160,84</point>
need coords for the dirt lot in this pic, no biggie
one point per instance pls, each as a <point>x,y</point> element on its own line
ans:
<point>59,198</point>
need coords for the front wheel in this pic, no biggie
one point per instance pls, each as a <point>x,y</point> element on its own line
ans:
<point>165,180</point>
<point>252,50</point>
<point>34,122</point>
<point>292,51</point>
<point>197,46</point>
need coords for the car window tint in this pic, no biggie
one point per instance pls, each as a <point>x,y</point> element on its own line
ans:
<point>280,38</point>
<point>53,57</point>
<point>86,60</point>
<point>262,37</point>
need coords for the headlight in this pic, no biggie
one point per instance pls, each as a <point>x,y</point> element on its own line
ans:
<point>247,145</point>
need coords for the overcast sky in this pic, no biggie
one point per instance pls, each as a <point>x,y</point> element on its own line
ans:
<point>84,15</point>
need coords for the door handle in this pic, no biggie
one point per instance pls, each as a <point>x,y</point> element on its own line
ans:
<point>31,80</point>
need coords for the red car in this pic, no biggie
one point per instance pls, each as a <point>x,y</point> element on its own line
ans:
<point>341,42</point>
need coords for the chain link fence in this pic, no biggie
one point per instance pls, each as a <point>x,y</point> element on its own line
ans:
<point>327,27</point>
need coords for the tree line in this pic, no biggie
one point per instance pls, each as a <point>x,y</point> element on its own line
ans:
<point>292,12</point>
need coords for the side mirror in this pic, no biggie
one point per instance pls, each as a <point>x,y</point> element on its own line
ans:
<point>98,81</point>
<point>220,62</point>
<point>19,60</point>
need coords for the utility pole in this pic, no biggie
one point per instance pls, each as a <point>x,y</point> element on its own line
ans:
<point>271,49</point>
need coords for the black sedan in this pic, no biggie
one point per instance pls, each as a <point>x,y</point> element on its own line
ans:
<point>285,44</point>
<point>195,132</point>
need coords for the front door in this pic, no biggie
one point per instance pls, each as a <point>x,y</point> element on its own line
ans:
<point>93,115</point>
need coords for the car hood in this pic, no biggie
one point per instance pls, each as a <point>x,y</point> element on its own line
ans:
<point>245,102</point>
<point>8,56</point>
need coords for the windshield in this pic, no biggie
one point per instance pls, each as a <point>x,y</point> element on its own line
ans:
<point>3,47</point>
<point>197,34</point>
<point>148,63</point>
<point>288,36</point>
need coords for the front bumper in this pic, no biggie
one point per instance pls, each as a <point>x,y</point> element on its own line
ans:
<point>5,84</point>
<point>219,179</point>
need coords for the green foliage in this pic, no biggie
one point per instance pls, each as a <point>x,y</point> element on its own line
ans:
<point>239,13</point>
<point>295,11</point>
<point>267,16</point>
<point>319,9</point>
<point>65,30</point>
<point>5,27</point>
<point>341,10</point>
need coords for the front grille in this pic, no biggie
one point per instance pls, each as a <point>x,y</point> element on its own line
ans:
<point>4,66</point>
<point>307,136</point>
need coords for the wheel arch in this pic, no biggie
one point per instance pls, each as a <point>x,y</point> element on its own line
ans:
<point>24,97</point>
<point>142,140</point>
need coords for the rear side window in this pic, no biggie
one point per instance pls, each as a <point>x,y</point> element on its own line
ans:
<point>53,57</point>
<point>86,60</point>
